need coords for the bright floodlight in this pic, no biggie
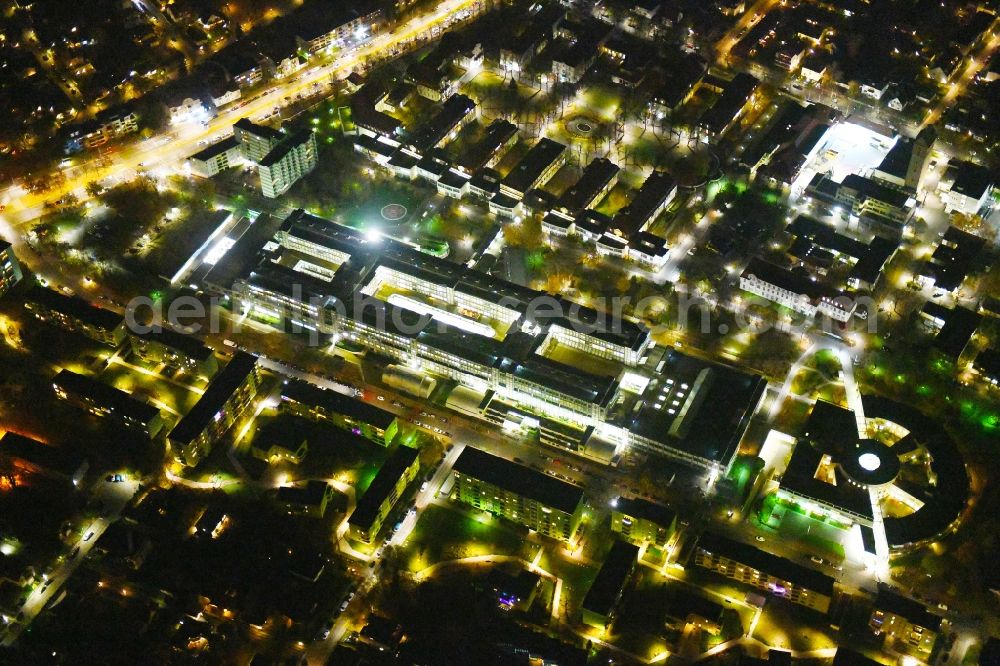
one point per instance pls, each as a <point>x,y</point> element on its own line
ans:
<point>869,461</point>
<point>373,235</point>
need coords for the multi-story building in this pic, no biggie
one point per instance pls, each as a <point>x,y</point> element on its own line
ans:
<point>225,399</point>
<point>164,346</point>
<point>442,319</point>
<point>534,169</point>
<point>287,162</point>
<point>599,605</point>
<point>875,207</point>
<point>308,499</point>
<point>764,571</point>
<point>217,158</point>
<point>308,400</point>
<point>20,453</point>
<point>77,315</point>
<point>10,268</point>
<point>641,522</point>
<point>382,494</point>
<point>737,97</point>
<point>796,292</point>
<point>108,402</point>
<point>256,140</point>
<point>336,26</point>
<point>596,181</point>
<point>905,625</point>
<point>518,493</point>
<point>971,191</point>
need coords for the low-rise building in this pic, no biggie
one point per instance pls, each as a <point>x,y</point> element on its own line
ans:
<point>18,452</point>
<point>971,191</point>
<point>225,399</point>
<point>518,493</point>
<point>737,97</point>
<point>308,499</point>
<point>596,181</point>
<point>905,625</point>
<point>799,293</point>
<point>10,268</point>
<point>108,402</point>
<point>368,421</point>
<point>534,169</point>
<point>601,601</point>
<point>77,315</point>
<point>287,162</point>
<point>764,571</point>
<point>217,158</point>
<point>987,366</point>
<point>382,494</point>
<point>163,346</point>
<point>641,522</point>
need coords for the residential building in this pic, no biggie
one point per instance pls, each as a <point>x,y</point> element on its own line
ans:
<point>256,140</point>
<point>501,136</point>
<point>10,268</point>
<point>952,261</point>
<point>308,499</point>
<point>167,347</point>
<point>971,191</point>
<point>764,571</point>
<point>534,169</point>
<point>987,366</point>
<point>371,510</point>
<point>108,403</point>
<point>596,181</point>
<point>641,522</point>
<point>456,112</point>
<point>287,162</point>
<point>24,454</point>
<point>217,158</point>
<point>656,193</point>
<point>77,315</point>
<point>794,291</point>
<point>905,625</point>
<point>601,601</point>
<point>518,493</point>
<point>226,398</point>
<point>369,421</point>
<point>736,99</point>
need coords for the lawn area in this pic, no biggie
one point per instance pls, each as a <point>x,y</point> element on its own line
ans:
<point>333,453</point>
<point>447,533</point>
<point>151,388</point>
<point>577,578</point>
<point>785,625</point>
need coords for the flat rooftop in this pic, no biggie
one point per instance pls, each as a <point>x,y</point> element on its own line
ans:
<point>639,508</point>
<point>378,491</point>
<point>214,398</point>
<point>53,458</point>
<point>75,307</point>
<point>596,176</point>
<point>121,402</point>
<point>526,172</point>
<point>297,390</point>
<point>614,573</point>
<point>766,563</point>
<point>714,406</point>
<point>187,345</point>
<point>519,479</point>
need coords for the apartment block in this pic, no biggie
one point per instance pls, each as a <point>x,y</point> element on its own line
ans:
<point>108,402</point>
<point>77,315</point>
<point>385,490</point>
<point>222,403</point>
<point>287,162</point>
<point>518,493</point>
